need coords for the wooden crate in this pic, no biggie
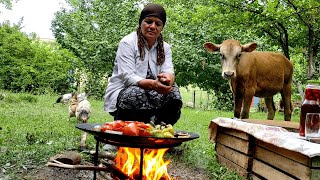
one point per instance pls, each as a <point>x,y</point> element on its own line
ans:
<point>254,159</point>
<point>235,150</point>
<point>272,162</point>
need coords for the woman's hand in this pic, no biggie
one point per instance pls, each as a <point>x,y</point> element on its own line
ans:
<point>156,85</point>
<point>161,88</point>
<point>166,78</point>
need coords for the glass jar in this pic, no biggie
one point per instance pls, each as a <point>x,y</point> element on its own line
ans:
<point>309,105</point>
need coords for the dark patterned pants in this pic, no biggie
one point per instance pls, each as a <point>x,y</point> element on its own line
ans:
<point>137,104</point>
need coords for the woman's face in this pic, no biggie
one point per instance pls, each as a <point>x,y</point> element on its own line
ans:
<point>151,28</point>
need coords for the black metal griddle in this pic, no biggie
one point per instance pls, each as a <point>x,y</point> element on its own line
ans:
<point>134,141</point>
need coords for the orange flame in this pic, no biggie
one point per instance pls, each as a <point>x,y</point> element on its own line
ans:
<point>154,166</point>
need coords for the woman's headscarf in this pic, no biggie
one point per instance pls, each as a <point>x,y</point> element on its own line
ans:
<point>152,10</point>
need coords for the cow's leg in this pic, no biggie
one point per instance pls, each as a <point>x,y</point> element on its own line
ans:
<point>270,106</point>
<point>237,105</point>
<point>237,99</point>
<point>247,99</point>
<point>286,97</point>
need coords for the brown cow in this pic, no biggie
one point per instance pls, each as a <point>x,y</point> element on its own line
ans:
<point>252,73</point>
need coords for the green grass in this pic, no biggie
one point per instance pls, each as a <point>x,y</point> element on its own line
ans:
<point>32,130</point>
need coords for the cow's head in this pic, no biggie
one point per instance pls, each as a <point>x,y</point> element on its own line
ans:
<point>230,55</point>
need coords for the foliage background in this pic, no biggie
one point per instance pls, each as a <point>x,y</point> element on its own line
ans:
<point>87,35</point>
<point>28,65</point>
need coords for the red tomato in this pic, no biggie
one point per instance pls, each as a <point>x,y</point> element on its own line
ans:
<point>106,127</point>
<point>143,125</point>
<point>131,129</point>
<point>144,132</point>
<point>126,131</point>
<point>117,125</point>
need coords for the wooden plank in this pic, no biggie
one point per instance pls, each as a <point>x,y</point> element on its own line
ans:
<point>315,174</point>
<point>254,177</point>
<point>235,143</point>
<point>271,161</point>
<point>231,165</point>
<point>315,161</point>
<point>233,132</point>
<point>287,165</point>
<point>234,156</point>
<point>267,171</point>
<point>296,156</point>
<point>289,125</point>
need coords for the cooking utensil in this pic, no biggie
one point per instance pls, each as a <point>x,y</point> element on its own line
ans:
<point>136,141</point>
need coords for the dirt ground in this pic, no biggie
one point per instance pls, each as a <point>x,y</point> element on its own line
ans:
<point>176,170</point>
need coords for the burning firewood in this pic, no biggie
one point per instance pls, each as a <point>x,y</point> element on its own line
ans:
<point>116,173</point>
<point>106,175</point>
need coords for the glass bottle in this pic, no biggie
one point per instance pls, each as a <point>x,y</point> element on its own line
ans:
<point>309,105</point>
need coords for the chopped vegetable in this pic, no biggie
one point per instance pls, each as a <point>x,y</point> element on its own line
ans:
<point>135,128</point>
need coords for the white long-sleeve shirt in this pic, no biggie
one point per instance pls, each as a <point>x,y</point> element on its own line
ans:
<point>129,69</point>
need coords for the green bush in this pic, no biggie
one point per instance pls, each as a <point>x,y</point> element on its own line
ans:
<point>29,65</point>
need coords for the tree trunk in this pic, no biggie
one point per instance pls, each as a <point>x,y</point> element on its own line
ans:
<point>311,63</point>
<point>299,87</point>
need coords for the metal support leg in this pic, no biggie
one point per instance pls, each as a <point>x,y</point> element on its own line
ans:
<point>141,163</point>
<point>96,159</point>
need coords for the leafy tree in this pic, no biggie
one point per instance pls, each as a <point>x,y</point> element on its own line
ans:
<point>287,24</point>
<point>12,52</point>
<point>33,66</point>
<point>193,65</point>
<point>188,28</point>
<point>92,30</point>
<point>7,3</point>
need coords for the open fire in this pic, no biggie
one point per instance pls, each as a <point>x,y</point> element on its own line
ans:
<point>154,165</point>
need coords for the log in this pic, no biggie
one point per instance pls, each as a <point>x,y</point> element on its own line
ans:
<point>69,157</point>
<point>104,154</point>
<point>59,164</point>
<point>110,168</point>
<point>106,175</point>
<point>116,172</point>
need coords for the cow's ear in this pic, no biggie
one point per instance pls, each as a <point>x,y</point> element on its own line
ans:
<point>210,47</point>
<point>249,47</point>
